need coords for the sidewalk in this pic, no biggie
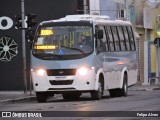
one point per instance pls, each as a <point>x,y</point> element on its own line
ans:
<point>10,97</point>
<point>144,87</point>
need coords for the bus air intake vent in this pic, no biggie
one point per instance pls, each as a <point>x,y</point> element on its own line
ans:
<point>61,82</point>
<point>61,72</point>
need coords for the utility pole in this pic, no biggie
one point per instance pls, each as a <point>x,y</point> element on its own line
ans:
<point>126,6</point>
<point>85,6</point>
<point>24,46</point>
<point>157,61</point>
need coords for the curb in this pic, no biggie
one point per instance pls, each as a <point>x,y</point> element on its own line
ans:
<point>18,100</point>
<point>21,100</point>
<point>144,89</point>
<point>33,98</point>
<point>156,88</point>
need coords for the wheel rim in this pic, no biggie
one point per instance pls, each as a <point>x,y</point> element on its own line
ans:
<point>100,88</point>
<point>125,88</point>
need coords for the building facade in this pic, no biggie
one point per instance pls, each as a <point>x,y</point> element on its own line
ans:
<point>146,25</point>
<point>144,15</point>
<point>103,7</point>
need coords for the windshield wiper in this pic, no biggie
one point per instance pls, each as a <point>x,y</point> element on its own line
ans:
<point>75,49</point>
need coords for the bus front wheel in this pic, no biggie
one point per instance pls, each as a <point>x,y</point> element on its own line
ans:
<point>97,95</point>
<point>41,97</point>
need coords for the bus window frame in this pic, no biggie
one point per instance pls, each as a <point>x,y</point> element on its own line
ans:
<point>113,38</point>
<point>107,38</point>
<point>127,46</point>
<point>120,29</point>
<point>110,39</point>
<point>118,38</point>
<point>133,38</point>
<point>99,42</point>
<point>124,38</point>
<point>129,38</point>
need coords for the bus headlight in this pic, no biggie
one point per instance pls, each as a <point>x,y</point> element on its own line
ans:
<point>41,72</point>
<point>83,71</point>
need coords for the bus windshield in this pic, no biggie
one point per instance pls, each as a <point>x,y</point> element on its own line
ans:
<point>63,42</point>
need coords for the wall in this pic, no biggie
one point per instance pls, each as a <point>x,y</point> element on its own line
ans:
<point>11,63</point>
<point>146,26</point>
<point>108,8</point>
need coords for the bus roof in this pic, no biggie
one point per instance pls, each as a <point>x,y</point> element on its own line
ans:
<point>96,19</point>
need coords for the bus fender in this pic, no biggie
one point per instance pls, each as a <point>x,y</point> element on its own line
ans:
<point>100,71</point>
<point>122,75</point>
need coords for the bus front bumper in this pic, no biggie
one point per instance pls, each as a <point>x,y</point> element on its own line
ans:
<point>83,80</point>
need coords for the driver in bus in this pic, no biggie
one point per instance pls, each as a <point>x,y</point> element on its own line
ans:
<point>84,44</point>
<point>82,40</point>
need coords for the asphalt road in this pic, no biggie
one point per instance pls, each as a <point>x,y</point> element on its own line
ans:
<point>142,102</point>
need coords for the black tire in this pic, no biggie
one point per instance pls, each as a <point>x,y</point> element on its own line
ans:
<point>114,92</point>
<point>97,95</point>
<point>71,96</point>
<point>120,92</point>
<point>124,90</point>
<point>41,97</point>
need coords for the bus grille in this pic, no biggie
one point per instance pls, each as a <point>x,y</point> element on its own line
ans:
<point>62,89</point>
<point>61,82</point>
<point>61,72</point>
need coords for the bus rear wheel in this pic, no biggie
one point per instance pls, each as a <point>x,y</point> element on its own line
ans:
<point>120,92</point>
<point>124,90</point>
<point>41,97</point>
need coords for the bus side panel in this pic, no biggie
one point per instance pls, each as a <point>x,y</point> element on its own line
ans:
<point>114,66</point>
<point>132,77</point>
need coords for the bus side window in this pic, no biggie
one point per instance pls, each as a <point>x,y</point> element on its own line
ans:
<point>107,39</point>
<point>131,38</point>
<point>111,42</point>
<point>103,41</point>
<point>126,38</point>
<point>116,39</point>
<point>121,37</point>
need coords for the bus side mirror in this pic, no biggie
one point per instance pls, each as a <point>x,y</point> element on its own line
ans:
<point>30,35</point>
<point>100,34</point>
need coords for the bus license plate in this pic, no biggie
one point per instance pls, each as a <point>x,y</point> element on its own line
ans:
<point>60,77</point>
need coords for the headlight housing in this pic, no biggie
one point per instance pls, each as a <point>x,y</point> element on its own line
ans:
<point>40,72</point>
<point>83,71</point>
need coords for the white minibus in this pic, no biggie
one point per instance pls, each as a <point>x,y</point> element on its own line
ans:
<point>83,53</point>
